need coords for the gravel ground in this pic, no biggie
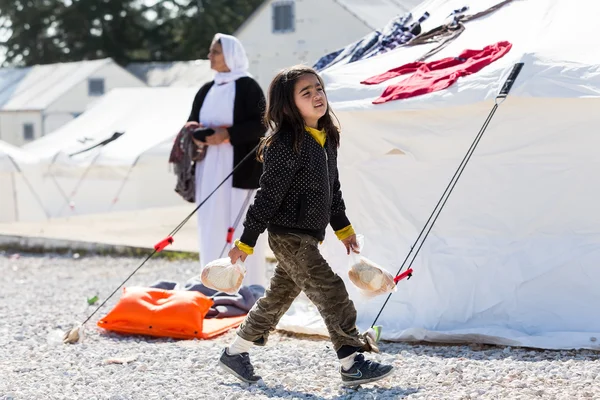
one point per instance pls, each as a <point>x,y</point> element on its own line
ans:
<point>40,297</point>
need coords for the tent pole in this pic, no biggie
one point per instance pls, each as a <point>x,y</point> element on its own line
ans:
<point>232,229</point>
<point>14,185</point>
<point>33,192</point>
<point>60,189</point>
<point>116,198</point>
<point>81,179</point>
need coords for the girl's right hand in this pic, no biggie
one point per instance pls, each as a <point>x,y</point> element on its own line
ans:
<point>235,253</point>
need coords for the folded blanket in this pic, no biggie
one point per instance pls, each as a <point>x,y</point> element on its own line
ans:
<point>225,305</point>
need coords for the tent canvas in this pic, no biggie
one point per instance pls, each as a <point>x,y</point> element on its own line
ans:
<point>19,199</point>
<point>11,157</point>
<point>119,175</point>
<point>513,258</point>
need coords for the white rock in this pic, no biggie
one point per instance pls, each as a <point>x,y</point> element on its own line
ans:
<point>38,367</point>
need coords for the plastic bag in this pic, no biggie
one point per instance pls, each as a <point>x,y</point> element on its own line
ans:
<point>370,278</point>
<point>223,276</point>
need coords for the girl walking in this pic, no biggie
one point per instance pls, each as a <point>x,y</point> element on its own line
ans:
<point>299,196</point>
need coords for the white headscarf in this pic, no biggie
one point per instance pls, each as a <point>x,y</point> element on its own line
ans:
<point>235,58</point>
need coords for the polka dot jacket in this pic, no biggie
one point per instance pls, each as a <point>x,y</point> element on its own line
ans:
<point>299,192</point>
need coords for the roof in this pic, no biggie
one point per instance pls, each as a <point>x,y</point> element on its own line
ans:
<point>556,65</point>
<point>37,87</point>
<point>146,115</point>
<point>175,74</point>
<point>377,13</point>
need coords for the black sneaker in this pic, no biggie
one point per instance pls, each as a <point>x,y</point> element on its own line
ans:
<point>239,366</point>
<point>364,371</point>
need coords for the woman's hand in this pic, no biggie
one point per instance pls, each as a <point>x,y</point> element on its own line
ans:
<point>196,125</point>
<point>200,145</point>
<point>220,135</point>
<point>235,253</point>
<point>351,244</point>
<point>192,124</point>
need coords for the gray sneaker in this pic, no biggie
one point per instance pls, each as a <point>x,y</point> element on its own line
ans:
<point>364,371</point>
<point>239,366</point>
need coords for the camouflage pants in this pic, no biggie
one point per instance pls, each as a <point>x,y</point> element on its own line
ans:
<point>302,268</point>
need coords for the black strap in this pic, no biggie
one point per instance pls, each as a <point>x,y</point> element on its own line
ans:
<point>114,137</point>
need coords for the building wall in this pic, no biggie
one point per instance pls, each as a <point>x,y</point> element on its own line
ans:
<point>12,125</point>
<point>321,26</point>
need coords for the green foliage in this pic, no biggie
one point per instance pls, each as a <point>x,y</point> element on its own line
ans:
<point>48,31</point>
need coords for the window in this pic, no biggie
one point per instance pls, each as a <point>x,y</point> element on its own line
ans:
<point>28,133</point>
<point>283,16</point>
<point>95,86</point>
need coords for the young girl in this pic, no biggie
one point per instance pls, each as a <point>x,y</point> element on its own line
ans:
<point>299,196</point>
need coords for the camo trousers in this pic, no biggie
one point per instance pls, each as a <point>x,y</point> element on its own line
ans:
<point>301,267</point>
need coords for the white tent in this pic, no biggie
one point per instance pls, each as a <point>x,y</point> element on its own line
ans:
<point>173,73</point>
<point>120,174</point>
<point>19,199</point>
<point>514,256</point>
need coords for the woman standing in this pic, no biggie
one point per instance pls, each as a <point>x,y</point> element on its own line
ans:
<point>232,105</point>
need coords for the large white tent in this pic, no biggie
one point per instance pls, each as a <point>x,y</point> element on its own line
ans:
<point>514,256</point>
<point>122,174</point>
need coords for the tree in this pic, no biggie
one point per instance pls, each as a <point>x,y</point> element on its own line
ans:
<point>31,25</point>
<point>195,23</point>
<point>47,31</point>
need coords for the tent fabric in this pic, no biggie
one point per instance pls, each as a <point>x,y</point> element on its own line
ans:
<point>130,172</point>
<point>513,256</point>
<point>11,155</point>
<point>534,27</point>
<point>146,116</point>
<point>19,197</point>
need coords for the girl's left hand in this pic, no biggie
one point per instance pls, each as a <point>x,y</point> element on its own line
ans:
<point>351,244</point>
<point>220,135</point>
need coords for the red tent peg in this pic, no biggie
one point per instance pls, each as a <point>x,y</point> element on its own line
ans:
<point>160,246</point>
<point>407,273</point>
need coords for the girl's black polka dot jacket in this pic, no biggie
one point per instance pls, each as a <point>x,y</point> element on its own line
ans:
<point>299,192</point>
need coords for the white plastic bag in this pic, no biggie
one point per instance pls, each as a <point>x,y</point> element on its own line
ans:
<point>223,276</point>
<point>370,278</point>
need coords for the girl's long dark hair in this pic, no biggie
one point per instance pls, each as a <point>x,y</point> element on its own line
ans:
<point>282,115</point>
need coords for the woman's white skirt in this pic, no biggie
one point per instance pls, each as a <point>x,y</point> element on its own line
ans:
<point>226,206</point>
